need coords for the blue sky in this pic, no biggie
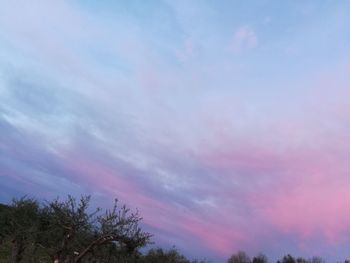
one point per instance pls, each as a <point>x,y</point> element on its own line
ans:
<point>224,122</point>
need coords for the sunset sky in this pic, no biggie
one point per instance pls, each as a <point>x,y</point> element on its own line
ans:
<point>226,123</point>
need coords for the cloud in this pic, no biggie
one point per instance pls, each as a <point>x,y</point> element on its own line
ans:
<point>215,159</point>
<point>244,39</point>
<point>187,51</point>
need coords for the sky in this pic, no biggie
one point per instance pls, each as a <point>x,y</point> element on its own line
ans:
<point>225,123</point>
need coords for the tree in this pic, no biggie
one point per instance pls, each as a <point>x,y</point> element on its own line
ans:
<point>65,227</point>
<point>70,233</point>
<point>301,260</point>
<point>288,259</point>
<point>120,227</point>
<point>260,258</point>
<point>239,257</point>
<point>4,210</point>
<point>19,225</point>
<point>161,256</point>
<point>158,255</point>
<point>316,260</point>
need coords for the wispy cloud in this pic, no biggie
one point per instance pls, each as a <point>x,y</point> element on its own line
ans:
<point>244,39</point>
<point>218,154</point>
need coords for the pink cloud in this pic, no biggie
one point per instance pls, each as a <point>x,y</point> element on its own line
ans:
<point>306,194</point>
<point>294,176</point>
<point>207,230</point>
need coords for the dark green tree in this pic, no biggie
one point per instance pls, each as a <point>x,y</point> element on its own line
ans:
<point>120,227</point>
<point>288,259</point>
<point>301,260</point>
<point>19,226</point>
<point>65,227</point>
<point>260,258</point>
<point>239,257</point>
<point>316,260</point>
<point>162,256</point>
<point>70,233</point>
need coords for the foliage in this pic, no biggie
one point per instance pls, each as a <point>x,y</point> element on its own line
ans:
<point>260,258</point>
<point>317,260</point>
<point>65,232</point>
<point>288,259</point>
<point>239,257</point>
<point>19,225</point>
<point>161,256</point>
<point>166,256</point>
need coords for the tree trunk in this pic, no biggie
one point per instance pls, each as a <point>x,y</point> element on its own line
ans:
<point>17,251</point>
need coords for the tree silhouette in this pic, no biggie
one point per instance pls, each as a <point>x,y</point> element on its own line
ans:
<point>67,232</point>
<point>260,258</point>
<point>239,257</point>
